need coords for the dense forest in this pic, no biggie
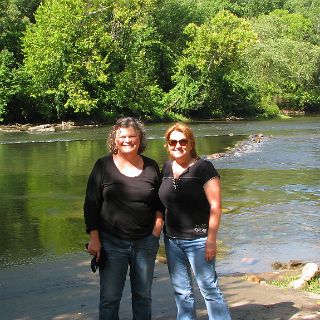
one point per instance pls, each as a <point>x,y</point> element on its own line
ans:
<point>95,60</point>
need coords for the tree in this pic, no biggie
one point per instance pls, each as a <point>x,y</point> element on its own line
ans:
<point>309,9</point>
<point>97,58</point>
<point>213,51</point>
<point>7,81</point>
<point>284,62</point>
<point>255,8</point>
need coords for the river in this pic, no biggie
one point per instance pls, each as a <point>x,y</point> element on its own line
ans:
<point>271,190</point>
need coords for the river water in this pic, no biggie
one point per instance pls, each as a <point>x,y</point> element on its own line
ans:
<point>271,190</point>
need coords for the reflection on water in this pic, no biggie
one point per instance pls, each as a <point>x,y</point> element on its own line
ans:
<point>270,190</point>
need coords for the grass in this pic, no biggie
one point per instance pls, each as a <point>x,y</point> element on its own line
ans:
<point>311,286</point>
<point>314,285</point>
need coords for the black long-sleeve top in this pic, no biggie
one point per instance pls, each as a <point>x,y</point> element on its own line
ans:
<point>120,205</point>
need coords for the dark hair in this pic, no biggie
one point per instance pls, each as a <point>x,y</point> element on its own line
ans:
<point>187,131</point>
<point>127,122</point>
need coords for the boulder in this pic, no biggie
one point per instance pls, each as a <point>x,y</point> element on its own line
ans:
<point>297,284</point>
<point>309,271</point>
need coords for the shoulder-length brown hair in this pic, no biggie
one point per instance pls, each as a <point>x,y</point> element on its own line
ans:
<point>187,131</point>
<point>127,122</point>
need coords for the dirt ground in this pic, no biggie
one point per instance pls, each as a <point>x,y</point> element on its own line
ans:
<point>67,289</point>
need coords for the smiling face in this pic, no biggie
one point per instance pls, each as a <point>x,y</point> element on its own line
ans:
<point>127,140</point>
<point>179,146</point>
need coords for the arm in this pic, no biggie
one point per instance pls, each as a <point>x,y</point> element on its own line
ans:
<point>212,190</point>
<point>94,245</point>
<point>159,206</point>
<point>91,209</point>
<point>158,224</point>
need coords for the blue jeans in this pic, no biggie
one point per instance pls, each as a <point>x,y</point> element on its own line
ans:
<point>140,255</point>
<point>182,256</point>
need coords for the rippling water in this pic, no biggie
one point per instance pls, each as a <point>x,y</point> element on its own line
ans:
<point>270,190</point>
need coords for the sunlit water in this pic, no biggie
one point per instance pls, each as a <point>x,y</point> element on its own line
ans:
<point>271,190</point>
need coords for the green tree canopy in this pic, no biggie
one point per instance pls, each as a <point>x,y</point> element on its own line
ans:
<point>284,62</point>
<point>157,59</point>
<point>213,51</point>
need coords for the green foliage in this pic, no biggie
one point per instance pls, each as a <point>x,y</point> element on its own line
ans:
<point>157,59</point>
<point>254,8</point>
<point>282,24</point>
<point>48,45</point>
<point>102,58</point>
<point>309,9</point>
<point>312,285</point>
<point>213,51</point>
<point>286,65</point>
<point>9,84</point>
<point>13,21</point>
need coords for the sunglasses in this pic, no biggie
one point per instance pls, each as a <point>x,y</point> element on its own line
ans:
<point>182,142</point>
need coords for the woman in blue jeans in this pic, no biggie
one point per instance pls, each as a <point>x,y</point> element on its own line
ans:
<point>124,221</point>
<point>190,192</point>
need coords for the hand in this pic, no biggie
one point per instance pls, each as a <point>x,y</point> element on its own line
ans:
<point>211,249</point>
<point>158,225</point>
<point>94,247</point>
<point>156,233</point>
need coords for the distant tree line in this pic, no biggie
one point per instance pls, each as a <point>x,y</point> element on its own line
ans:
<point>157,59</point>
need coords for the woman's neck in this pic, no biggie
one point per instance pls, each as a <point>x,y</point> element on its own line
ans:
<point>185,163</point>
<point>178,167</point>
<point>129,165</point>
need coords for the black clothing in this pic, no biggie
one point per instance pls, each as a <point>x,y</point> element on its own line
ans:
<point>187,207</point>
<point>120,205</point>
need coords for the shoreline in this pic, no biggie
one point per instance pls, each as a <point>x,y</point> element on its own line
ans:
<point>47,127</point>
<point>76,124</point>
<point>70,124</point>
<point>67,289</point>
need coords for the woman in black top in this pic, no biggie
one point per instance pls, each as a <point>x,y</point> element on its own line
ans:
<point>190,192</point>
<point>124,221</point>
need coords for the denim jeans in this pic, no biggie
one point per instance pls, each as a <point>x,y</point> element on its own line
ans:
<point>140,255</point>
<point>182,256</point>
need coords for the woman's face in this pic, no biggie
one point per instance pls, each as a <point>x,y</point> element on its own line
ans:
<point>179,146</point>
<point>127,140</point>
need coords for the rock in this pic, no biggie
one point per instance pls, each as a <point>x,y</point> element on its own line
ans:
<point>215,156</point>
<point>42,128</point>
<point>309,271</point>
<point>67,124</point>
<point>279,265</point>
<point>257,137</point>
<point>256,279</point>
<point>249,261</point>
<point>297,284</point>
<point>241,147</point>
<point>294,264</point>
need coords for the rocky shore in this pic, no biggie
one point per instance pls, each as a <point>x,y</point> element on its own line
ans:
<point>64,125</point>
<point>301,273</point>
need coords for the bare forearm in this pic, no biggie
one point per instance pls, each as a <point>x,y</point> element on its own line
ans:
<point>158,224</point>
<point>94,245</point>
<point>214,222</point>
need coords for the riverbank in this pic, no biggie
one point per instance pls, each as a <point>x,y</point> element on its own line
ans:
<point>48,127</point>
<point>65,125</point>
<point>67,289</point>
